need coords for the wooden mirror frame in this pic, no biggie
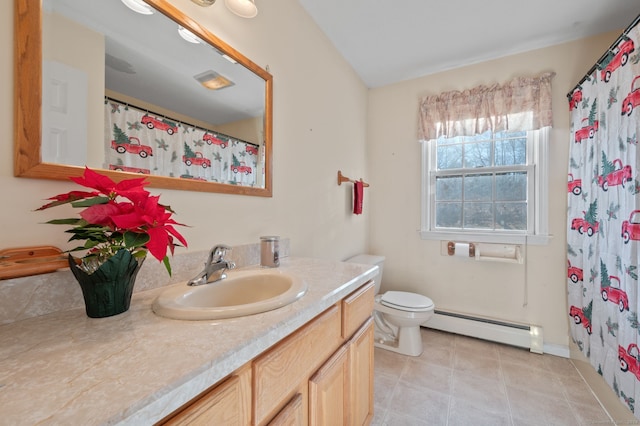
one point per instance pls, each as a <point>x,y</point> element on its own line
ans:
<point>27,159</point>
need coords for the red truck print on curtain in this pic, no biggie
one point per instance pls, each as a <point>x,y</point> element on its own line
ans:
<point>631,227</point>
<point>587,131</point>
<point>241,168</point>
<point>574,273</point>
<point>618,176</point>
<point>588,224</point>
<point>614,294</point>
<point>198,160</point>
<point>162,124</point>
<point>629,359</point>
<point>133,146</point>
<point>574,185</point>
<point>616,58</point>
<point>252,149</point>
<point>582,225</point>
<point>580,318</point>
<point>211,139</point>
<point>633,98</point>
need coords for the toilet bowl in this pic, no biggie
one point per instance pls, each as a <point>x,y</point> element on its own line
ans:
<point>397,314</point>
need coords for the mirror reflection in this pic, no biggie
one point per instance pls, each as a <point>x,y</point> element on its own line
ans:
<point>150,96</point>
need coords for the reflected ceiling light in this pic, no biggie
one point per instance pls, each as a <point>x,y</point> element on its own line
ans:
<point>204,3</point>
<point>188,35</point>
<point>229,58</point>
<point>244,8</point>
<point>213,81</point>
<point>139,6</point>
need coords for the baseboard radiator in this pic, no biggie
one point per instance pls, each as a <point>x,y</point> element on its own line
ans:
<point>521,335</point>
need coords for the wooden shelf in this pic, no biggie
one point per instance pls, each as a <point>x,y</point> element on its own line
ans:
<point>26,261</point>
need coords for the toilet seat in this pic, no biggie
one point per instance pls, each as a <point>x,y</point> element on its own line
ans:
<point>406,301</point>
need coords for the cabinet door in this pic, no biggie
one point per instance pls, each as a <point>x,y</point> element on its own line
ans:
<point>361,379</point>
<point>226,404</point>
<point>291,415</point>
<point>329,391</point>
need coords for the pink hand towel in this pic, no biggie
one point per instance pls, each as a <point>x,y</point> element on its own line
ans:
<point>358,196</point>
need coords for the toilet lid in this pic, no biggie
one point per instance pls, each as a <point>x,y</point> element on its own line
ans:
<point>406,301</point>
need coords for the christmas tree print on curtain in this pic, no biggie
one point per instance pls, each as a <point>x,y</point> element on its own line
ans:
<point>603,219</point>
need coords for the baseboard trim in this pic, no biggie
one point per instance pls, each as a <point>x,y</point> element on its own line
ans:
<point>557,350</point>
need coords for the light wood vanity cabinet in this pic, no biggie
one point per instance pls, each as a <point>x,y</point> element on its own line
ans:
<point>322,374</point>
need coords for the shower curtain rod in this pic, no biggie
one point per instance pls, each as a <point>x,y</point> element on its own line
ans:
<point>110,98</point>
<point>595,66</point>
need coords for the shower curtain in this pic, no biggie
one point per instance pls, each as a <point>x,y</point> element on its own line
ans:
<point>138,141</point>
<point>603,232</point>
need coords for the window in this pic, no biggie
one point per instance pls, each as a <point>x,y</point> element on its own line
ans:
<point>491,187</point>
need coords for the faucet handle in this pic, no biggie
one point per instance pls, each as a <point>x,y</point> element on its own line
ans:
<point>218,253</point>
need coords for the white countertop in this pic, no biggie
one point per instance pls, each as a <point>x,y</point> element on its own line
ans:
<point>136,368</point>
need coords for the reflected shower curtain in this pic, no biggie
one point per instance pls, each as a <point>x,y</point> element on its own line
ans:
<point>138,141</point>
<point>603,233</point>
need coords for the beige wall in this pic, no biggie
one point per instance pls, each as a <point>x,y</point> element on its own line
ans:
<point>319,127</point>
<point>534,292</point>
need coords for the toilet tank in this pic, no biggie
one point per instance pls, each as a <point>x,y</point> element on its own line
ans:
<point>370,259</point>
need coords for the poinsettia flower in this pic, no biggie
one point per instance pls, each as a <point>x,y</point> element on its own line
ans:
<point>129,188</point>
<point>141,224</point>
<point>100,214</point>
<point>153,219</point>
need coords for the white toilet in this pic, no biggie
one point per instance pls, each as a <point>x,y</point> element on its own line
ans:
<point>397,314</point>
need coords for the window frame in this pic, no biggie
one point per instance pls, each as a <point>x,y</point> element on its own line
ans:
<point>537,196</point>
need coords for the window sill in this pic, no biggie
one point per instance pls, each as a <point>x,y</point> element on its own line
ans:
<point>480,237</point>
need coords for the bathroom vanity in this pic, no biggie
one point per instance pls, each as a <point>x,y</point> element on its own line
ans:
<point>308,362</point>
<point>323,370</point>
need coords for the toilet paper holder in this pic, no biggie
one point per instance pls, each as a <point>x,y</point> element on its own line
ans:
<point>451,249</point>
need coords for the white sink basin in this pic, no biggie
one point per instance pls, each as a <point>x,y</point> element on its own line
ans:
<point>241,293</point>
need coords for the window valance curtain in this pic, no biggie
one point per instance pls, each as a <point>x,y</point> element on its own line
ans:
<point>523,103</point>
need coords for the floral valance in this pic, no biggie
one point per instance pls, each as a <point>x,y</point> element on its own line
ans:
<point>523,103</point>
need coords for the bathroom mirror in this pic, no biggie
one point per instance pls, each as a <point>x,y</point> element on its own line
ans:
<point>245,119</point>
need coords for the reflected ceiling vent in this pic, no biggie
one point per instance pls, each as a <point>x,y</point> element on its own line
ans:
<point>213,81</point>
<point>139,6</point>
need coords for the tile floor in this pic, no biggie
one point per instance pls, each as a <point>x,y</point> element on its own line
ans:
<point>460,380</point>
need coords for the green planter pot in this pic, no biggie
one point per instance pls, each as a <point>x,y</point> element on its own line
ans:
<point>108,290</point>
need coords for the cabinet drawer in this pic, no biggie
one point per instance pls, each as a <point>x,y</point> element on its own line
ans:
<point>356,308</point>
<point>228,403</point>
<point>280,371</point>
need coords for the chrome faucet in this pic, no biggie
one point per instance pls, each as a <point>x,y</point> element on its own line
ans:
<point>214,269</point>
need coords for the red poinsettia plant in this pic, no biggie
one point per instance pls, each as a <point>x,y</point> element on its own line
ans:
<point>118,216</point>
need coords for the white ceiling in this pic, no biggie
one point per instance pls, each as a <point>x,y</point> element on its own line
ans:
<point>391,41</point>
